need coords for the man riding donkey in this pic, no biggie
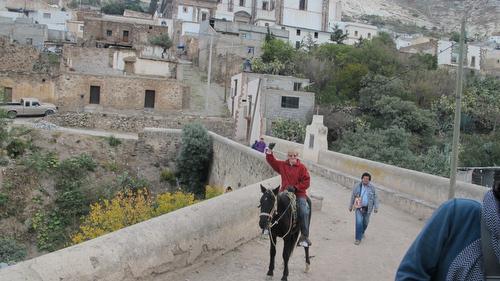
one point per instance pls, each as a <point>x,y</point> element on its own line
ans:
<point>294,178</point>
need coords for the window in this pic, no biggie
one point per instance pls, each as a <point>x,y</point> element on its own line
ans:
<point>265,5</point>
<point>272,5</point>
<point>242,3</point>
<point>311,141</point>
<point>283,28</point>
<point>109,33</point>
<point>473,61</point>
<point>297,44</point>
<point>302,5</point>
<point>230,8</point>
<point>266,24</point>
<point>7,94</point>
<point>27,104</point>
<point>35,103</point>
<point>250,50</point>
<point>355,33</point>
<point>95,95</point>
<point>185,9</point>
<point>29,41</point>
<point>150,27</point>
<point>81,27</point>
<point>243,35</point>
<point>298,32</point>
<point>347,31</point>
<point>369,35</point>
<point>203,16</point>
<point>297,86</point>
<point>125,36</point>
<point>316,35</point>
<point>289,102</point>
<point>46,15</point>
<point>149,99</point>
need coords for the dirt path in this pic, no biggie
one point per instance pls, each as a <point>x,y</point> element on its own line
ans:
<point>335,257</point>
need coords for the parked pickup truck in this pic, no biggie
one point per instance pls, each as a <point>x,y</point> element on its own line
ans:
<point>28,106</point>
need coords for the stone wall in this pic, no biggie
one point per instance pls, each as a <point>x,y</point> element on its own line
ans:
<point>138,33</point>
<point>16,57</point>
<point>117,92</point>
<point>137,122</point>
<point>29,85</point>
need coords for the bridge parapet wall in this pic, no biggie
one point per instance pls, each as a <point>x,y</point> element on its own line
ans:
<point>415,192</point>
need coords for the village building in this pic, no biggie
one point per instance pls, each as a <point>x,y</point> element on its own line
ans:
<point>257,100</point>
<point>110,30</point>
<point>448,51</point>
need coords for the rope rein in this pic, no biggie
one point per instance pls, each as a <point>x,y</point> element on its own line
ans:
<point>275,211</point>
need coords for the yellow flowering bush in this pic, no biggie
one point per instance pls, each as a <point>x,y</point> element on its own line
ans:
<point>168,202</point>
<point>126,209</point>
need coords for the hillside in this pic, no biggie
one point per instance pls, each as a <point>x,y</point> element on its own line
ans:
<point>442,14</point>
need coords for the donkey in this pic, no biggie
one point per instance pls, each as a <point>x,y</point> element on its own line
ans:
<point>276,217</point>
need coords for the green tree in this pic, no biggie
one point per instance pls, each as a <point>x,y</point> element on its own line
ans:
<point>11,251</point>
<point>337,35</point>
<point>152,6</point>
<point>116,7</point>
<point>480,150</point>
<point>289,129</point>
<point>163,41</point>
<point>194,159</point>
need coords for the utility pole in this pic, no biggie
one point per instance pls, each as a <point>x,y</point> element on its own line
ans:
<point>210,59</point>
<point>225,79</point>
<point>458,108</point>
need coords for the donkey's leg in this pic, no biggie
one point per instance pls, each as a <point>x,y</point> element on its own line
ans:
<point>308,262</point>
<point>272,253</point>
<point>289,244</point>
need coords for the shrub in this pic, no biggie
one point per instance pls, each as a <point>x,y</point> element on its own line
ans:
<point>49,229</point>
<point>16,148</point>
<point>73,168</point>
<point>4,161</point>
<point>127,208</point>
<point>128,182</point>
<point>41,162</point>
<point>194,159</point>
<point>290,130</point>
<point>11,251</point>
<point>113,141</point>
<point>213,191</point>
<point>168,202</point>
<point>167,176</point>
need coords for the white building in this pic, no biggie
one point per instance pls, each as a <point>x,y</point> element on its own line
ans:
<point>494,38</point>
<point>190,13</point>
<point>55,20</point>
<point>300,17</point>
<point>357,31</point>
<point>257,100</point>
<point>448,55</point>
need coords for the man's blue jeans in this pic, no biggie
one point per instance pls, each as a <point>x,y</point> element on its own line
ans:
<point>362,220</point>
<point>304,215</point>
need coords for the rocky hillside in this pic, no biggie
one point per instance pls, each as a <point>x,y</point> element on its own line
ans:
<point>443,15</point>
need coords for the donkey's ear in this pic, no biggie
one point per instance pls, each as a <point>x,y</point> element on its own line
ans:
<point>276,190</point>
<point>262,188</point>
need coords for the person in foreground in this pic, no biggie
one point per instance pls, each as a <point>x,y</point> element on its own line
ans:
<point>456,241</point>
<point>294,178</point>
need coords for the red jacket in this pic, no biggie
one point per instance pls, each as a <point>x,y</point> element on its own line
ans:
<point>296,175</point>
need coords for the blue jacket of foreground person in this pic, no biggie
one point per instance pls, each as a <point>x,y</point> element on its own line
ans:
<point>449,245</point>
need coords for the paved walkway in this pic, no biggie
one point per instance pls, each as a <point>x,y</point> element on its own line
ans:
<point>335,257</point>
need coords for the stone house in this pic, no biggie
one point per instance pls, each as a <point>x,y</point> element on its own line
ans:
<point>24,31</point>
<point>491,63</point>
<point>110,30</point>
<point>447,55</point>
<point>94,79</point>
<point>257,100</point>
<point>356,31</point>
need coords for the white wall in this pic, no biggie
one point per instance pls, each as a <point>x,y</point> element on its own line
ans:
<point>309,18</point>
<point>142,66</point>
<point>190,27</point>
<point>323,37</point>
<point>473,54</point>
<point>356,31</point>
<point>57,20</point>
<point>188,15</point>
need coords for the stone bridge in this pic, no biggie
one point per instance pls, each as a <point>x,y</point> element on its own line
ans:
<point>219,239</point>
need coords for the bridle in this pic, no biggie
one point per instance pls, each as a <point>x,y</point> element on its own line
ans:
<point>272,213</point>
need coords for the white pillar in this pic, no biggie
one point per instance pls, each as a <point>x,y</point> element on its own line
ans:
<point>316,139</point>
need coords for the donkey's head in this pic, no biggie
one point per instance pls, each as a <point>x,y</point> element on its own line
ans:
<point>267,205</point>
